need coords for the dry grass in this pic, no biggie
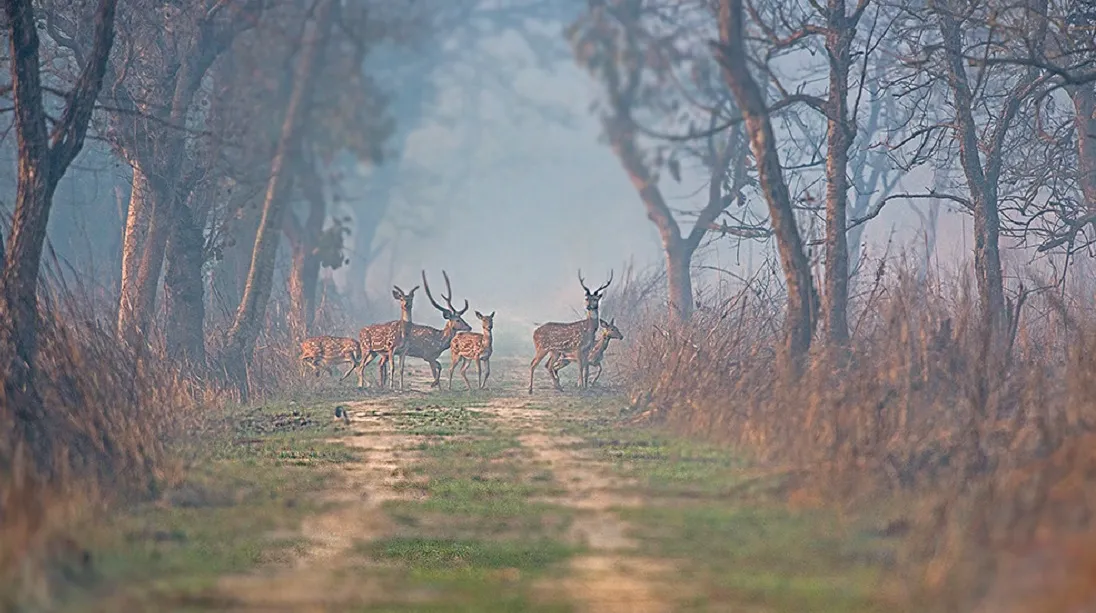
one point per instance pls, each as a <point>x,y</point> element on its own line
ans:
<point>993,441</point>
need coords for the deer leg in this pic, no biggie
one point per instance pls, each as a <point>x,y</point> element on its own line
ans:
<point>435,371</point>
<point>479,373</point>
<point>353,367</point>
<point>464,372</point>
<point>453,367</point>
<point>486,373</point>
<point>533,366</point>
<point>403,354</point>
<point>583,369</point>
<point>598,375</point>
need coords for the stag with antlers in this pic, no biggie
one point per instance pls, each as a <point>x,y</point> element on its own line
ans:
<point>427,342</point>
<point>388,339</point>
<point>575,338</point>
<point>557,362</point>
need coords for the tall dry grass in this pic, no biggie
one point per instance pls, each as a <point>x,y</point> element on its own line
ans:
<point>994,441</point>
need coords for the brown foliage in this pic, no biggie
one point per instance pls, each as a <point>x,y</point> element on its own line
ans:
<point>994,444</point>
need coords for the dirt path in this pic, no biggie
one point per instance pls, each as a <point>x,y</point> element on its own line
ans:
<point>611,577</point>
<point>326,572</point>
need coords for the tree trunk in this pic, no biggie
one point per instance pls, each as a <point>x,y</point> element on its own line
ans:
<point>184,294</point>
<point>981,183</point>
<point>250,314</point>
<point>797,273</point>
<point>304,242</point>
<point>142,253</point>
<point>679,280</point>
<point>1084,103</point>
<point>43,160</point>
<point>838,140</point>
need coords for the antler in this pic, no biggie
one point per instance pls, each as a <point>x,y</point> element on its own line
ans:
<point>583,283</point>
<point>600,289</point>
<point>449,298</point>
<point>426,286</point>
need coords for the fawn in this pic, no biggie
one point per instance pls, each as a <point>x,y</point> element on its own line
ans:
<point>323,352</point>
<point>609,331</point>
<point>574,338</point>
<point>473,346</point>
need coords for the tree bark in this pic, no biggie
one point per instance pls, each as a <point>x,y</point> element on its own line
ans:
<point>1084,104</point>
<point>184,293</point>
<point>142,252</point>
<point>839,32</point>
<point>799,326</point>
<point>252,309</point>
<point>305,267</point>
<point>44,157</point>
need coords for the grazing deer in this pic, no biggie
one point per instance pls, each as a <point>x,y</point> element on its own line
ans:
<point>574,338</point>
<point>323,352</point>
<point>473,346</point>
<point>428,342</point>
<point>608,332</point>
<point>389,338</point>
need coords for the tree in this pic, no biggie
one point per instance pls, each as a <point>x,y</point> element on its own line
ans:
<point>44,157</point>
<point>732,54</point>
<point>249,315</point>
<point>636,52</point>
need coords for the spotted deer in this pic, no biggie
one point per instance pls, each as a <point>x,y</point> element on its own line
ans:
<point>322,352</point>
<point>467,347</point>
<point>607,332</point>
<point>388,339</point>
<point>574,338</point>
<point>427,342</point>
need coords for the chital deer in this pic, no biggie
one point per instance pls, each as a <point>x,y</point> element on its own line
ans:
<point>389,338</point>
<point>607,332</point>
<point>428,342</point>
<point>574,338</point>
<point>473,346</point>
<point>322,352</point>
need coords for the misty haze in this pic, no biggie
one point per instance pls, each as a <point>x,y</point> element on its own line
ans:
<point>548,305</point>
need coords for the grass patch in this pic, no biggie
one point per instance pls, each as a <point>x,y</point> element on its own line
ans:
<point>239,506</point>
<point>478,540</point>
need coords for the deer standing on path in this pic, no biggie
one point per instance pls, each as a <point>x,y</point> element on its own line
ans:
<point>323,352</point>
<point>574,338</point>
<point>389,338</point>
<point>608,332</point>
<point>428,342</point>
<point>468,346</point>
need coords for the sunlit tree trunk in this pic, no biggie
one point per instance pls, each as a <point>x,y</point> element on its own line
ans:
<point>250,314</point>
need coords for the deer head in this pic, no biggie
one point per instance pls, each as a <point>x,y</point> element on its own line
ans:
<point>454,322</point>
<point>488,321</point>
<point>594,298</point>
<point>609,330</point>
<point>406,299</point>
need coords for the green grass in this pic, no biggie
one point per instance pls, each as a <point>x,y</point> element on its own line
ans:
<point>476,540</point>
<point>255,476</point>
<point>729,524</point>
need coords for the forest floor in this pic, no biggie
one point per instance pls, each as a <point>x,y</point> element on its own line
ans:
<point>480,502</point>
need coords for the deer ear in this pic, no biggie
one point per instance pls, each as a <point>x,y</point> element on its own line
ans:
<point>612,322</point>
<point>478,314</point>
<point>492,315</point>
<point>396,294</point>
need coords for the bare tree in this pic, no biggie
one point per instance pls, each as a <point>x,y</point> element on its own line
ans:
<point>249,315</point>
<point>733,57</point>
<point>44,157</point>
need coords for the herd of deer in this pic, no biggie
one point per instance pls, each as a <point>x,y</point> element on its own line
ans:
<point>562,343</point>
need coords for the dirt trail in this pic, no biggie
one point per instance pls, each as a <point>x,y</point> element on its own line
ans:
<point>314,581</point>
<point>611,578</point>
<point>326,575</point>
